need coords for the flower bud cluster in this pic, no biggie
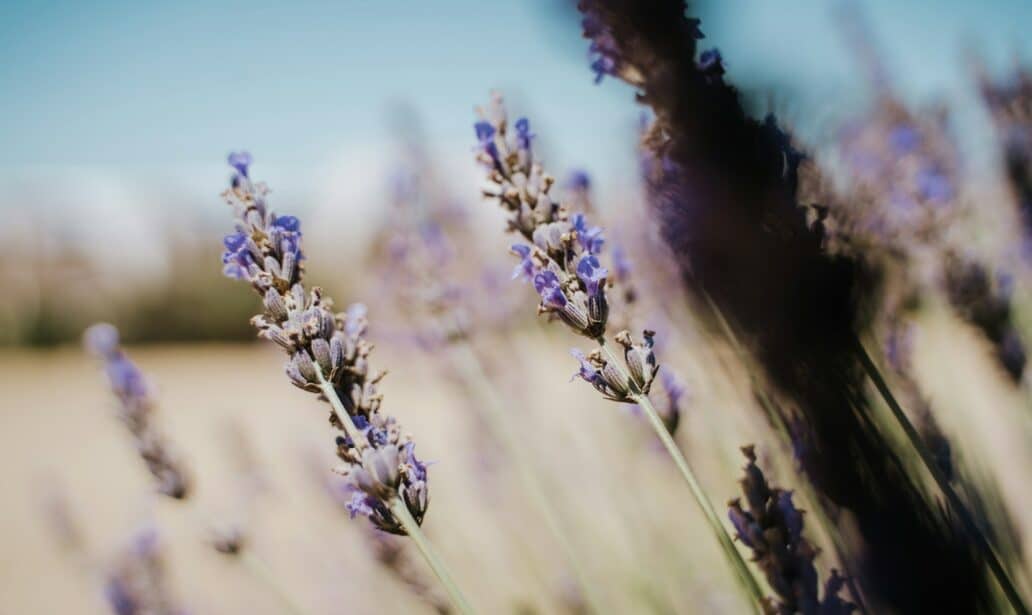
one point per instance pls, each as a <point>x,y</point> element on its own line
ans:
<point>617,383</point>
<point>561,256</point>
<point>328,355</point>
<point>771,526</point>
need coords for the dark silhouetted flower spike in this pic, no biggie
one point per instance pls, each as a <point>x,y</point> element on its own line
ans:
<point>771,526</point>
<point>137,408</point>
<point>328,355</point>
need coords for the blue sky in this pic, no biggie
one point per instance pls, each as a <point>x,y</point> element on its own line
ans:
<point>141,91</point>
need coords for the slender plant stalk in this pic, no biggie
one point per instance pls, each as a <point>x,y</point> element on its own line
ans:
<point>782,427</point>
<point>398,507</point>
<point>958,506</point>
<point>258,568</point>
<point>473,375</point>
<point>744,574</point>
<point>415,532</point>
<point>339,410</point>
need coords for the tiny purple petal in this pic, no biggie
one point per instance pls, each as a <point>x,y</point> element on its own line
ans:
<point>546,283</point>
<point>240,161</point>
<point>591,273</point>
<point>525,268</point>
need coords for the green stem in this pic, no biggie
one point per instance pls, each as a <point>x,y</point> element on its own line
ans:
<point>397,506</point>
<point>265,577</point>
<point>954,500</point>
<point>340,411</point>
<point>412,528</point>
<point>496,412</point>
<point>744,574</point>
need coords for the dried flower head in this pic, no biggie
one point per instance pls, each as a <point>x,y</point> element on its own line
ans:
<point>137,407</point>
<point>328,355</point>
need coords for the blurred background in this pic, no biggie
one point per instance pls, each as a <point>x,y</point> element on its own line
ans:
<point>115,120</point>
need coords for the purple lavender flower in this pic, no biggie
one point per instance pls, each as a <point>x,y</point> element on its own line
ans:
<point>904,139</point>
<point>592,273</point>
<point>934,185</point>
<point>523,134</point>
<point>590,238</point>
<point>772,528</point>
<point>526,268</point>
<point>579,180</point>
<point>240,161</point>
<point>358,505</point>
<point>237,258</point>
<point>546,283</point>
<point>328,355</point>
<point>485,135</point>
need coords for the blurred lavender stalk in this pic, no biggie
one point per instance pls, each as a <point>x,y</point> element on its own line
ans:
<point>728,202</point>
<point>1009,101</point>
<point>329,357</point>
<point>442,313</point>
<point>561,259</point>
<point>137,583</point>
<point>137,408</point>
<point>771,526</point>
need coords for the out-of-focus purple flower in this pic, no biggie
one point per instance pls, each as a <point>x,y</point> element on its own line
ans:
<point>934,185</point>
<point>590,238</point>
<point>793,518</point>
<point>358,505</point>
<point>355,320</point>
<point>592,273</point>
<point>742,524</point>
<point>119,598</point>
<point>126,379</point>
<point>525,268</point>
<point>621,263</point>
<point>546,283</point>
<point>673,387</point>
<point>485,135</point>
<point>240,161</point>
<point>523,134</point>
<point>101,339</point>
<point>904,139</point>
<point>579,180</point>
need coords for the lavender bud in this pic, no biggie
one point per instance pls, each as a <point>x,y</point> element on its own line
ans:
<point>275,307</point>
<point>336,352</point>
<point>321,352</point>
<point>616,380</point>
<point>303,362</point>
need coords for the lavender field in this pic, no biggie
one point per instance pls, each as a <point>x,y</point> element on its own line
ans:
<point>659,317</point>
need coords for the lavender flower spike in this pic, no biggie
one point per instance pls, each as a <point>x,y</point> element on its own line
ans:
<point>572,283</point>
<point>771,526</point>
<point>137,410</point>
<point>329,356</point>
